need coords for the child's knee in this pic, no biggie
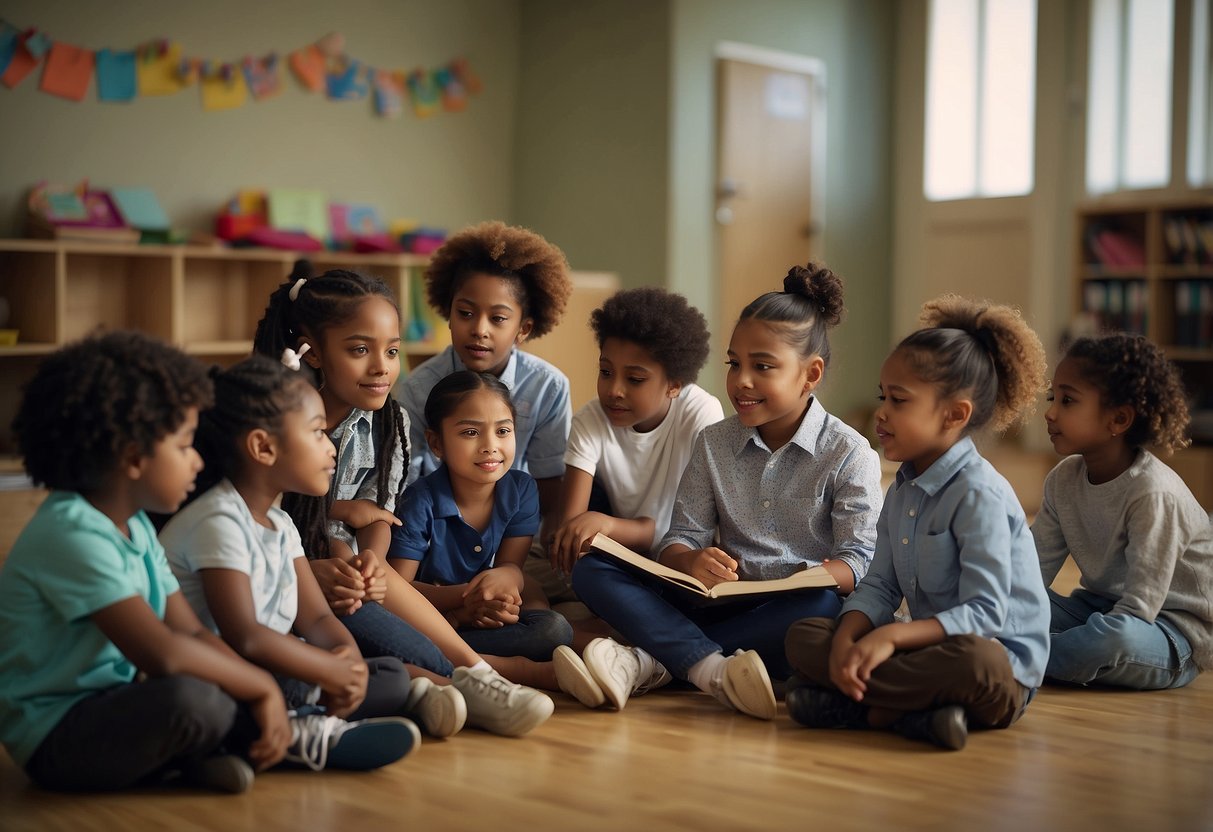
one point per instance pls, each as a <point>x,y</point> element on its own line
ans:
<point>549,627</point>
<point>199,711</point>
<point>807,644</point>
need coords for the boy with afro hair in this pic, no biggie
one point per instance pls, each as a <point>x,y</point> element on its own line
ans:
<point>498,286</point>
<point>636,437</point>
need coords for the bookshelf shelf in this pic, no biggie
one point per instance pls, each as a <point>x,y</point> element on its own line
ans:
<point>1147,268</point>
<point>207,300</point>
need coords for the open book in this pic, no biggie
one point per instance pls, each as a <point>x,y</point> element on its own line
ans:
<point>814,577</point>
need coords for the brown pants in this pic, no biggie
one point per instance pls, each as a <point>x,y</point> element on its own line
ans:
<point>961,670</point>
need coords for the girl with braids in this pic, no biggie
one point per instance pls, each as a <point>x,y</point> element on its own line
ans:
<point>952,542</point>
<point>1142,618</point>
<point>241,564</point>
<point>779,485</point>
<point>343,329</point>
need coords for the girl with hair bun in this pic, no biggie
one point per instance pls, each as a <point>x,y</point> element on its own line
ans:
<point>780,485</point>
<point>952,542</point>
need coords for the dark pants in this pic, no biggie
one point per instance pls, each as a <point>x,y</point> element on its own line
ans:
<point>387,690</point>
<point>961,670</point>
<point>536,636</point>
<point>136,732</point>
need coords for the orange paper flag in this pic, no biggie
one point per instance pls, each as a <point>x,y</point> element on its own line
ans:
<point>68,71</point>
<point>308,66</point>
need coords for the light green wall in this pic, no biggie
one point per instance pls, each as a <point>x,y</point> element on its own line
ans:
<point>591,172</point>
<point>855,40</point>
<point>449,170</point>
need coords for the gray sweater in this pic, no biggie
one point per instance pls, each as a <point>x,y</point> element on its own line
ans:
<point>1140,540</point>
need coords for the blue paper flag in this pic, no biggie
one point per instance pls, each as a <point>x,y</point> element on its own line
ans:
<point>115,75</point>
<point>347,85</point>
<point>10,36</point>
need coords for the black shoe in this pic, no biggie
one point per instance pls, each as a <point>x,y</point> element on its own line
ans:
<point>945,727</point>
<point>818,708</point>
<point>222,773</point>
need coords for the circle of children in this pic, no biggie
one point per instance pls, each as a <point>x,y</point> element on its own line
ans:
<point>357,562</point>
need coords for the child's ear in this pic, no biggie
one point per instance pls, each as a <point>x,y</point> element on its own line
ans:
<point>813,372</point>
<point>132,461</point>
<point>434,441</point>
<point>311,357</point>
<point>957,414</point>
<point>674,390</point>
<point>524,331</point>
<point>1121,419</point>
<point>261,447</point>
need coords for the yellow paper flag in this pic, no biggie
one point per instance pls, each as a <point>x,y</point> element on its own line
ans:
<point>157,72</point>
<point>218,94</point>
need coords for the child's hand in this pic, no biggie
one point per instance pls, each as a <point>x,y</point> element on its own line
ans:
<point>851,671</point>
<point>345,687</point>
<point>269,712</point>
<point>711,566</point>
<point>358,514</point>
<point>341,583</point>
<point>572,539</point>
<point>489,615</point>
<point>374,579</point>
<point>501,583</point>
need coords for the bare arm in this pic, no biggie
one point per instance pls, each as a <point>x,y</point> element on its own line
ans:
<point>578,526</point>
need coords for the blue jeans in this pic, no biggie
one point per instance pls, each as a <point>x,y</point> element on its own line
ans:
<point>381,633</point>
<point>1091,646</point>
<point>536,636</point>
<point>666,623</point>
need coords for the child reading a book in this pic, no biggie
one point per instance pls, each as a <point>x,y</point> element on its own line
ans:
<point>87,601</point>
<point>343,329</point>
<point>1143,545</point>
<point>499,286</point>
<point>780,485</point>
<point>953,543</point>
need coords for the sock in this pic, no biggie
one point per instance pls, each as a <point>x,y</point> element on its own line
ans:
<point>647,665</point>
<point>708,673</point>
<point>481,665</point>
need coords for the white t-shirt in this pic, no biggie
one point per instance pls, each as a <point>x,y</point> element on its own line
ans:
<point>640,471</point>
<point>217,531</point>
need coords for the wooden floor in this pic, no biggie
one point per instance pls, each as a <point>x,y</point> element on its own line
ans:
<point>1078,760</point>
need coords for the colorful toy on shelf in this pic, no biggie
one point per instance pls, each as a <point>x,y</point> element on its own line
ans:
<point>243,214</point>
<point>77,213</point>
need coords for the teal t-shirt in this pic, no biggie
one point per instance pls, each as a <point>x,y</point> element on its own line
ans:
<point>68,563</point>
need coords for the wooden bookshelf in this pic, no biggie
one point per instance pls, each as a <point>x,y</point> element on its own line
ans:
<point>1147,267</point>
<point>206,300</point>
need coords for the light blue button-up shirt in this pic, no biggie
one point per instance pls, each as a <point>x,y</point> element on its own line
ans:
<point>816,497</point>
<point>357,476</point>
<point>955,544</point>
<point>540,393</point>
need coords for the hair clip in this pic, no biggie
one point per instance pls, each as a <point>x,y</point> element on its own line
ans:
<point>290,358</point>
<point>293,294</point>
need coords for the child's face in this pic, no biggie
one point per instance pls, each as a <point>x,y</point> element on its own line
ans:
<point>476,441</point>
<point>306,457</point>
<point>164,478</point>
<point>910,421</point>
<point>1078,422</point>
<point>768,382</point>
<point>632,386</point>
<point>486,323</point>
<point>360,358</point>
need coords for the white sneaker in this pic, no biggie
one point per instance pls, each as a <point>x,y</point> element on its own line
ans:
<point>498,705</point>
<point>319,741</point>
<point>574,677</point>
<point>439,709</point>
<point>617,671</point>
<point>745,685</point>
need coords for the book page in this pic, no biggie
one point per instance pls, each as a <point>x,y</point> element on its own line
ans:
<point>623,553</point>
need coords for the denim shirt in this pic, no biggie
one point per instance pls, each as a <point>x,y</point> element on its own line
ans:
<point>816,497</point>
<point>955,544</point>
<point>357,477</point>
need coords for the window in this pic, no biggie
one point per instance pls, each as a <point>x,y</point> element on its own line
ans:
<point>1129,94</point>
<point>1200,153</point>
<point>981,98</point>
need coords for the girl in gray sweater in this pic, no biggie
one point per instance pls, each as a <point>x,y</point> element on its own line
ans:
<point>1143,615</point>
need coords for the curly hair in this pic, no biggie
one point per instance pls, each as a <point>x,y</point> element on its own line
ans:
<point>536,270</point>
<point>92,400</point>
<point>985,350</point>
<point>321,302</point>
<point>809,305</point>
<point>1132,370</point>
<point>662,323</point>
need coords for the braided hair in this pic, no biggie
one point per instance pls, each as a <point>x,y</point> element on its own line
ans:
<point>321,302</point>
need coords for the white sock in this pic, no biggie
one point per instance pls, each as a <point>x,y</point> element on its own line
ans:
<point>707,673</point>
<point>647,665</point>
<point>481,665</point>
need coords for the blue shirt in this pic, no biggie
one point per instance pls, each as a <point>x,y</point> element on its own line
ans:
<point>541,400</point>
<point>816,497</point>
<point>451,551</point>
<point>357,476</point>
<point>68,563</point>
<point>955,544</point>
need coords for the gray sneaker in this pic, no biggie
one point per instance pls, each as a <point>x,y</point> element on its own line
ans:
<point>498,705</point>
<point>319,741</point>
